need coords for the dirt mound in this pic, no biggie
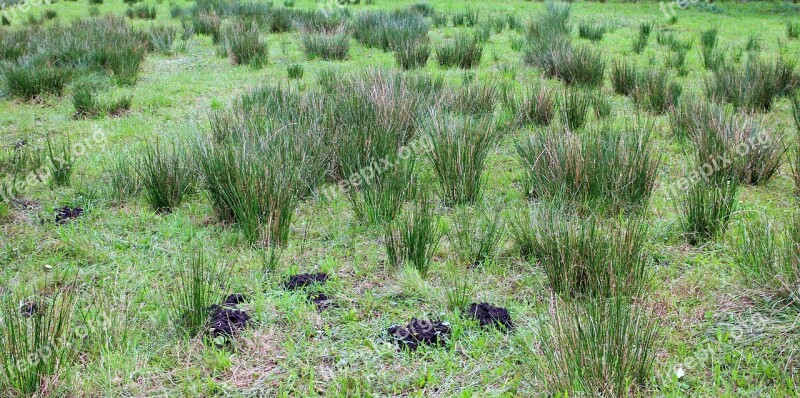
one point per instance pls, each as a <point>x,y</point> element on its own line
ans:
<point>300,281</point>
<point>235,299</point>
<point>226,320</point>
<point>489,315</point>
<point>434,333</point>
<point>66,213</point>
<point>29,309</point>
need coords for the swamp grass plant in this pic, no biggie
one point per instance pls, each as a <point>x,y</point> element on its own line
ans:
<point>574,106</point>
<point>464,51</point>
<point>606,170</point>
<point>330,45</point>
<point>768,256</point>
<point>535,105</point>
<point>196,292</point>
<point>60,160</point>
<point>166,174</point>
<point>414,238</point>
<point>243,46</point>
<point>602,347</point>
<point>37,342</point>
<point>753,88</point>
<point>729,144</point>
<point>588,257</point>
<point>706,210</point>
<point>476,237</point>
<point>460,149</point>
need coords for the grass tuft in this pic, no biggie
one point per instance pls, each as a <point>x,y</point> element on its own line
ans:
<point>414,239</point>
<point>197,291</point>
<point>166,174</point>
<point>464,51</point>
<point>243,46</point>
<point>604,348</point>
<point>332,45</point>
<point>610,170</point>
<point>35,348</point>
<point>476,236</point>
<point>460,149</point>
<point>707,209</point>
<point>586,258</point>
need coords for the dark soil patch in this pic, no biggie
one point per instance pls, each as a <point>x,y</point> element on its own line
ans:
<point>226,320</point>
<point>301,281</point>
<point>489,315</point>
<point>417,332</point>
<point>235,299</point>
<point>29,309</point>
<point>322,301</point>
<point>66,213</point>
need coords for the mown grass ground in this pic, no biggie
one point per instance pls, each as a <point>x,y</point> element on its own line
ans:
<point>728,340</point>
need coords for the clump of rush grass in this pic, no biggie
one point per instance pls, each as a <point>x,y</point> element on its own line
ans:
<point>476,237</point>
<point>587,258</point>
<point>574,65</point>
<point>464,51</point>
<point>676,59</point>
<point>295,71</point>
<point>17,164</point>
<point>412,54</point>
<point>769,256</point>
<point>686,117</point>
<point>30,79</point>
<point>414,238</point>
<point>141,11</point>
<point>122,177</point>
<point>607,171</point>
<point>459,288</point>
<point>753,44</point>
<point>370,135</point>
<point>601,104</point>
<point>535,105</point>
<point>604,347</point>
<point>166,175</point>
<point>474,98</point>
<point>161,38</point>
<point>656,92</point>
<point>712,57</point>
<point>380,199</point>
<point>752,88</point>
<point>207,23</point>
<point>259,198</point>
<point>624,77</point>
<point>38,345</point>
<point>645,28</point>
<point>265,127</point>
<point>590,30</point>
<point>328,45</point>
<point>708,38</point>
<point>796,152</point>
<point>390,31</point>
<point>574,107</point>
<point>792,30</point>
<point>243,46</point>
<point>707,208</point>
<point>440,19</point>
<point>459,151</point>
<point>196,292</point>
<point>60,160</point>
<point>87,105</point>
<point>741,146</point>
<point>468,18</point>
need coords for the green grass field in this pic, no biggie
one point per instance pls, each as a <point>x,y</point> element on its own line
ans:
<point>720,332</point>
